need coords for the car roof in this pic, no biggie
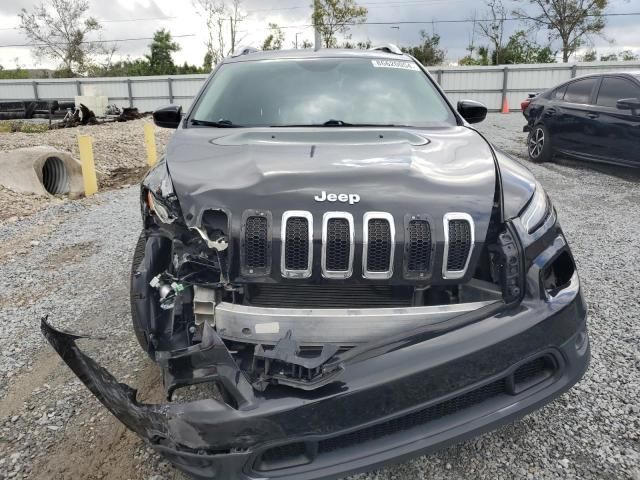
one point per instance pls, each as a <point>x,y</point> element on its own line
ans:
<point>311,53</point>
<point>628,73</point>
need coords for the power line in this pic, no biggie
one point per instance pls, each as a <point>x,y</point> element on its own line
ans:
<point>92,41</point>
<point>402,22</point>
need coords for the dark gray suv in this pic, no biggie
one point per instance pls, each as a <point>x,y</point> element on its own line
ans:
<point>361,275</point>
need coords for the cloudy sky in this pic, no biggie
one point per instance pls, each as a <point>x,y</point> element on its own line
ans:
<point>126,19</point>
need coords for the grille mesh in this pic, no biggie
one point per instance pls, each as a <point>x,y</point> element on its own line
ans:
<point>255,237</point>
<point>419,248</point>
<point>297,244</point>
<point>459,244</point>
<point>329,296</point>
<point>338,248</point>
<point>379,245</point>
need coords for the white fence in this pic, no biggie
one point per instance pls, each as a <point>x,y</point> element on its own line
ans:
<point>488,85</point>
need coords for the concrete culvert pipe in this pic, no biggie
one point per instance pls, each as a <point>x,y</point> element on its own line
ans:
<point>41,170</point>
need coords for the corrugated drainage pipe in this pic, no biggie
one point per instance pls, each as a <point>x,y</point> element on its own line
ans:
<point>55,176</point>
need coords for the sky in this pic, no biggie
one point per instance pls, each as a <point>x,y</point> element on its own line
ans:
<point>127,19</point>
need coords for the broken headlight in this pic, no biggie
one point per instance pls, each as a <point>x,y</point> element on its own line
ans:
<point>166,209</point>
<point>536,211</point>
<point>159,196</point>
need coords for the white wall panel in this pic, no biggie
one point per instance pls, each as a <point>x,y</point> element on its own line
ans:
<point>483,84</point>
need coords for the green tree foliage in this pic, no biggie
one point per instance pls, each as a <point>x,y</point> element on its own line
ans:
<point>482,58</point>
<point>335,16</point>
<point>362,45</point>
<point>160,59</point>
<point>58,30</point>
<point>493,30</point>
<point>429,51</point>
<point>275,39</point>
<point>571,22</point>
<point>521,49</point>
<point>624,55</point>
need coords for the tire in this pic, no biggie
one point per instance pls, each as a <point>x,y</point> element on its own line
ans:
<point>539,145</point>
<point>138,257</point>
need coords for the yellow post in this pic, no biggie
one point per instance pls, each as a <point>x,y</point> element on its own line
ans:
<point>85,142</point>
<point>150,140</point>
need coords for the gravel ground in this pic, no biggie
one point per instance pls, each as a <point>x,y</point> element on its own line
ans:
<point>71,260</point>
<point>119,153</point>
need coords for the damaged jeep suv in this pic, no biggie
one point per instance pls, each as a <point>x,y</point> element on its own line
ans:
<point>353,272</point>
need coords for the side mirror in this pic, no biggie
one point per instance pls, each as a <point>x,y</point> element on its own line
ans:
<point>168,117</point>
<point>632,104</point>
<point>471,111</point>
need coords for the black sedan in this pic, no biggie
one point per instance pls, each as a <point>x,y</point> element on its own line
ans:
<point>594,118</point>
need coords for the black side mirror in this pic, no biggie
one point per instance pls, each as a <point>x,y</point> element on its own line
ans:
<point>471,111</point>
<point>168,117</point>
<point>632,104</point>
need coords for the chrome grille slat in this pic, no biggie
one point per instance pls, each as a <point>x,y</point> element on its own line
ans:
<point>458,244</point>
<point>297,244</point>
<point>337,245</point>
<point>379,241</point>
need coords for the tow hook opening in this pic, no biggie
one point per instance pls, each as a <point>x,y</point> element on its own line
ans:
<point>557,274</point>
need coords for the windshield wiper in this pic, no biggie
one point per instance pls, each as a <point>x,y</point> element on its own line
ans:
<point>340,123</point>
<point>218,124</point>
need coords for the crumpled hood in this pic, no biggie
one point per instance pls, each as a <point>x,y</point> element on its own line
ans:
<point>397,171</point>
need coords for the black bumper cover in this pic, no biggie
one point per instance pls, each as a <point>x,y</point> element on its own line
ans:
<point>387,402</point>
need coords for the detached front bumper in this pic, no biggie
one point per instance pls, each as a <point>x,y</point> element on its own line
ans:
<point>387,403</point>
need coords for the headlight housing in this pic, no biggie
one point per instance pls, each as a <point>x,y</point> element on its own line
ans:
<point>163,208</point>
<point>536,211</point>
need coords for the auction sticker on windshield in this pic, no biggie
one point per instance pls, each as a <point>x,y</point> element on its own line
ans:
<point>395,64</point>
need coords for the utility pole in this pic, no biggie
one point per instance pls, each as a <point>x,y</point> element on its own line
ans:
<point>298,33</point>
<point>318,37</point>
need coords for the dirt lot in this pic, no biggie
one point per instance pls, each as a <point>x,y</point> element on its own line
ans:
<point>70,260</point>
<point>118,148</point>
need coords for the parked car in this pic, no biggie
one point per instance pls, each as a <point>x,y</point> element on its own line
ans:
<point>594,118</point>
<point>358,270</point>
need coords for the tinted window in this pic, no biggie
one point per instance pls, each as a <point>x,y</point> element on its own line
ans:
<point>314,91</point>
<point>580,91</point>
<point>558,93</point>
<point>613,89</point>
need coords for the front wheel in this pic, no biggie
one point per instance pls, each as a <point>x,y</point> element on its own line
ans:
<point>539,144</point>
<point>138,328</point>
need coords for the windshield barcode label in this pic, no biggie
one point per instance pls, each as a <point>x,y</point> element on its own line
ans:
<point>395,64</point>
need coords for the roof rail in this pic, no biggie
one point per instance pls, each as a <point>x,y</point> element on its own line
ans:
<point>244,51</point>
<point>388,48</point>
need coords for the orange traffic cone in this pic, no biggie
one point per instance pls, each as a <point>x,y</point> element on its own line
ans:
<point>505,105</point>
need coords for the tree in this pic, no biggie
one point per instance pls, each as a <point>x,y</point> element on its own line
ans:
<point>590,56</point>
<point>429,51</point>
<point>331,17</point>
<point>160,56</point>
<point>362,45</point>
<point>493,30</point>
<point>275,39</point>
<point>520,49</point>
<point>222,20</point>
<point>58,30</point>
<point>572,22</point>
<point>611,57</point>
<point>481,59</point>
<point>628,56</point>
